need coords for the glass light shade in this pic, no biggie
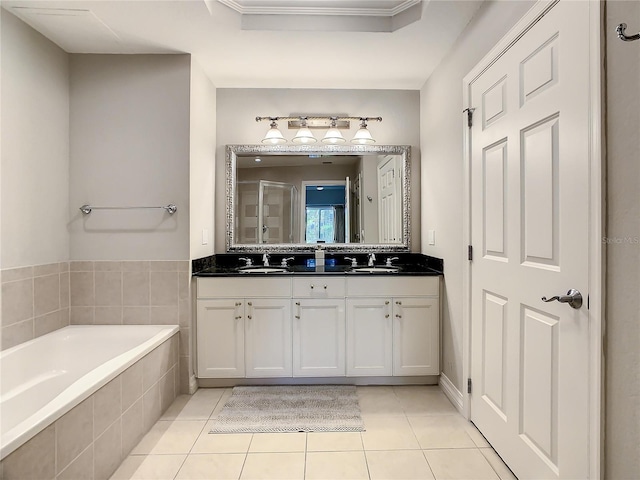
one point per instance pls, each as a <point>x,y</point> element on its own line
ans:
<point>333,136</point>
<point>274,136</point>
<point>304,135</point>
<point>363,137</point>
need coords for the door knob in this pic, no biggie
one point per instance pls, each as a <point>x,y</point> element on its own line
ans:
<point>573,298</point>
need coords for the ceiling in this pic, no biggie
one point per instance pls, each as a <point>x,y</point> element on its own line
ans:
<point>312,49</point>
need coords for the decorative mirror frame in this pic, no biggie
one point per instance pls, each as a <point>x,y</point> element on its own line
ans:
<point>230,167</point>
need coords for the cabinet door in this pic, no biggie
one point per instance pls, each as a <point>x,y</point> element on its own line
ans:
<point>220,338</point>
<point>369,336</point>
<point>416,336</point>
<point>318,338</point>
<point>268,337</point>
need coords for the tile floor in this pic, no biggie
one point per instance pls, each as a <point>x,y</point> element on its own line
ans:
<point>412,432</point>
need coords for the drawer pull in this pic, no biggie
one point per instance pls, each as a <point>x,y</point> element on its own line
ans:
<point>298,317</point>
<point>238,304</point>
<point>238,317</point>
<point>398,316</point>
<point>298,304</point>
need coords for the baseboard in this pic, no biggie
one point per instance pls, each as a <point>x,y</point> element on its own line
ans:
<point>232,382</point>
<point>193,384</point>
<point>452,393</point>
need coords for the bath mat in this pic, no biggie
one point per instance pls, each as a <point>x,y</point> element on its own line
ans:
<point>300,408</point>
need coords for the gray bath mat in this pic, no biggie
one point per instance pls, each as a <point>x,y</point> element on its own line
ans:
<point>300,408</point>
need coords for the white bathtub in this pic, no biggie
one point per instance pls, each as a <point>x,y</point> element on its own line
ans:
<point>42,379</point>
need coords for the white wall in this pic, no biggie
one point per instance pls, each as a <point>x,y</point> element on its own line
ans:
<point>35,147</point>
<point>203,159</point>
<point>129,126</point>
<point>237,109</point>
<point>622,354</point>
<point>442,176</point>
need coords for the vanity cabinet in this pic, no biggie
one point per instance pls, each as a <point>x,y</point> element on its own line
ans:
<point>318,326</point>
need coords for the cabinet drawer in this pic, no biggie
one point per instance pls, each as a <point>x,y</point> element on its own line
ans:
<point>392,287</point>
<point>318,287</point>
<point>225,287</point>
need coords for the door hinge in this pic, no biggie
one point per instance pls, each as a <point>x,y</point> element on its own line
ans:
<point>469,112</point>
<point>470,253</point>
<point>468,385</point>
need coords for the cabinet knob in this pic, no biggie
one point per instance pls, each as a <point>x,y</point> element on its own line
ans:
<point>238,304</point>
<point>386,302</point>
<point>312,286</point>
<point>238,317</point>
<point>298,317</point>
<point>249,317</point>
<point>398,316</point>
<point>398,302</point>
<point>325,287</point>
<point>249,303</point>
<point>298,304</point>
<point>386,316</point>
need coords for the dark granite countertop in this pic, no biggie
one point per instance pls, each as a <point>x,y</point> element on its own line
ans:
<point>229,264</point>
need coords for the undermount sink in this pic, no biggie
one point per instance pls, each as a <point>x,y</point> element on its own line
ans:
<point>378,269</point>
<point>262,270</point>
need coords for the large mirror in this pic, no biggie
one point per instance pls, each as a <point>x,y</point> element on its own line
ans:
<point>296,197</point>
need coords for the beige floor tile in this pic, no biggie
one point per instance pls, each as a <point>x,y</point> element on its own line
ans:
<point>334,441</point>
<point>212,466</point>
<point>460,464</point>
<point>149,467</point>
<point>222,442</point>
<point>444,431</point>
<point>498,465</point>
<point>170,437</point>
<point>379,401</point>
<point>424,401</point>
<point>275,466</point>
<point>398,465</point>
<point>198,406</point>
<point>278,442</point>
<point>476,436</point>
<point>388,433</point>
<point>336,466</point>
<point>226,394</point>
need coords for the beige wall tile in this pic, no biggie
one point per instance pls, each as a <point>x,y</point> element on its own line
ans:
<point>102,266</point>
<point>135,266</point>
<point>185,372</point>
<point>48,269</point>
<point>184,313</point>
<point>132,427</point>
<point>175,349</point>
<point>64,290</point>
<point>81,286</point>
<point>163,288</point>
<point>184,265</point>
<point>81,315</point>
<point>108,316</point>
<point>167,389</point>
<point>184,283</point>
<point>151,406</point>
<point>81,468</point>
<point>107,406</point>
<point>74,433</point>
<point>108,288</point>
<point>156,364</point>
<point>185,341</point>
<point>35,460</point>
<point>64,267</point>
<point>163,266</point>
<point>135,315</point>
<point>77,266</point>
<point>50,322</point>
<point>13,274</point>
<point>17,333</point>
<point>17,301</point>
<point>108,451</point>
<point>131,380</point>
<point>135,288</point>
<point>163,316</point>
<point>46,294</point>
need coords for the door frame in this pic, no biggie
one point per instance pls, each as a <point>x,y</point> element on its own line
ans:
<point>596,224</point>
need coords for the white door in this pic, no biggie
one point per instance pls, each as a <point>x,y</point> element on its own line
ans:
<point>529,230</point>
<point>416,336</point>
<point>268,337</point>
<point>389,217</point>
<point>369,336</point>
<point>220,339</point>
<point>318,338</point>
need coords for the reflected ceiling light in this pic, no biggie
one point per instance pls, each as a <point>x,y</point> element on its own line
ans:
<point>363,135</point>
<point>258,159</point>
<point>333,135</point>
<point>273,135</point>
<point>304,135</point>
<point>305,123</point>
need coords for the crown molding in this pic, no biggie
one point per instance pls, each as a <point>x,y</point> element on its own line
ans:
<point>315,7</point>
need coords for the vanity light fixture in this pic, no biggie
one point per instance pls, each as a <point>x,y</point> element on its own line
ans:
<point>273,135</point>
<point>305,123</point>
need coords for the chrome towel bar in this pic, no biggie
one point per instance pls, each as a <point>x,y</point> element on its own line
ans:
<point>86,209</point>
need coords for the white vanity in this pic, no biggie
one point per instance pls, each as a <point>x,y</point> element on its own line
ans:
<point>296,328</point>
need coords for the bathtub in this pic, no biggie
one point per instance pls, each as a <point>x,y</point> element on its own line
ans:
<point>42,379</point>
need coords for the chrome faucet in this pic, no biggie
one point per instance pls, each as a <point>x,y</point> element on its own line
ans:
<point>389,260</point>
<point>283,262</point>
<point>247,261</point>
<point>372,258</point>
<point>265,259</point>
<point>354,261</point>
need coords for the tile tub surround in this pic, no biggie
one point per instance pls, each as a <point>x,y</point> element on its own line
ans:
<point>134,293</point>
<point>35,301</point>
<point>91,440</point>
